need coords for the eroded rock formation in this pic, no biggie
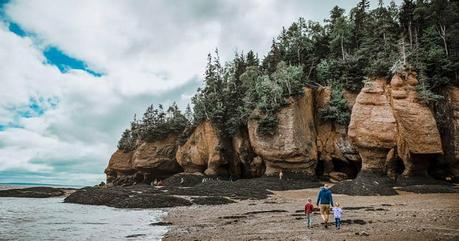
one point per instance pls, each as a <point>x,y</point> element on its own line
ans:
<point>251,166</point>
<point>293,146</point>
<point>148,161</point>
<point>418,138</point>
<point>335,150</point>
<point>120,164</point>
<point>156,159</point>
<point>201,152</point>
<point>373,128</point>
<point>448,120</point>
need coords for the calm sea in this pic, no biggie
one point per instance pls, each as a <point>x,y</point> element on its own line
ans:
<point>51,219</point>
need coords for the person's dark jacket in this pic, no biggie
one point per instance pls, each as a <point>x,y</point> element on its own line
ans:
<point>325,196</point>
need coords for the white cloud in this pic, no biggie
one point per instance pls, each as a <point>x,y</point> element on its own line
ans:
<point>149,51</point>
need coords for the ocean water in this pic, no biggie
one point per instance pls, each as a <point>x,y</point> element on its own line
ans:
<point>52,219</point>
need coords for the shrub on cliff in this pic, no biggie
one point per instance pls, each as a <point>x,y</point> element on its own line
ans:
<point>156,124</point>
<point>337,109</point>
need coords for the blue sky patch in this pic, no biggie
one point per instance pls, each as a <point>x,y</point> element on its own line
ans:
<point>36,107</point>
<point>15,28</point>
<point>65,63</point>
<point>54,55</point>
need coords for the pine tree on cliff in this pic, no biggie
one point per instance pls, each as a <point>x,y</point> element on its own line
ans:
<point>189,114</point>
<point>379,46</point>
<point>359,17</point>
<point>209,103</point>
<point>340,33</point>
<point>274,57</point>
<point>126,143</point>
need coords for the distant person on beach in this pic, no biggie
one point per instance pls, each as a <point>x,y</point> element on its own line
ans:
<point>325,199</point>
<point>337,212</point>
<point>281,175</point>
<point>308,211</point>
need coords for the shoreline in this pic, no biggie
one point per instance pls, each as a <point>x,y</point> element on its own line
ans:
<point>407,216</point>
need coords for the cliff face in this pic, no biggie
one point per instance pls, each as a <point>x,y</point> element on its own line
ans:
<point>335,150</point>
<point>148,161</point>
<point>448,118</point>
<point>418,138</point>
<point>293,146</point>
<point>120,164</point>
<point>201,152</point>
<point>373,127</point>
<point>391,133</point>
<point>251,166</point>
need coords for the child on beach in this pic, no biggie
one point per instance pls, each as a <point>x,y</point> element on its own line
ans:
<point>308,211</point>
<point>337,212</point>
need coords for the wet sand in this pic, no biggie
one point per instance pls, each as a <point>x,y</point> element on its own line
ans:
<point>407,216</point>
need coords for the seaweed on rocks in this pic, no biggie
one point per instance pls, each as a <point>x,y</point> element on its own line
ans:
<point>138,196</point>
<point>184,180</point>
<point>366,184</point>
<point>208,191</point>
<point>255,188</point>
<point>33,192</point>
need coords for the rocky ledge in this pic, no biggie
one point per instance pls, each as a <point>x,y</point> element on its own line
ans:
<point>35,192</point>
<point>185,190</point>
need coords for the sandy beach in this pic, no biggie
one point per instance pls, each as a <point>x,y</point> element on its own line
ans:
<point>407,216</point>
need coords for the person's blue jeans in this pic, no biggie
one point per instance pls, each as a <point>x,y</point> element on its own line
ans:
<point>309,219</point>
<point>338,223</point>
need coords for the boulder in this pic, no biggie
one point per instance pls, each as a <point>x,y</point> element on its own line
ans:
<point>338,176</point>
<point>418,138</point>
<point>373,128</point>
<point>201,152</point>
<point>332,140</point>
<point>293,146</point>
<point>156,159</point>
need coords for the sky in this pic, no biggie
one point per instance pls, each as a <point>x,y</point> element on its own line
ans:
<point>74,72</point>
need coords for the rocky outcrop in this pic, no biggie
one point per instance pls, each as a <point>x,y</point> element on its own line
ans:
<point>373,128</point>
<point>418,138</point>
<point>251,165</point>
<point>150,160</point>
<point>333,143</point>
<point>293,146</point>
<point>156,159</point>
<point>201,152</point>
<point>120,164</point>
<point>448,121</point>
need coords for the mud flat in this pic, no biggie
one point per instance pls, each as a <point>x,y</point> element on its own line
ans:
<point>407,216</point>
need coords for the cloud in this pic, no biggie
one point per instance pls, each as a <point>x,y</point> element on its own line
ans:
<point>60,123</point>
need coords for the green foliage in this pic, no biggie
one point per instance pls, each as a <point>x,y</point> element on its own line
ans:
<point>337,109</point>
<point>126,143</point>
<point>421,35</point>
<point>270,93</point>
<point>221,99</point>
<point>156,124</point>
<point>425,95</point>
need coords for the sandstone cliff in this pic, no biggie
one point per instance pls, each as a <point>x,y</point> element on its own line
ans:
<point>293,146</point>
<point>448,120</point>
<point>338,155</point>
<point>148,161</point>
<point>120,164</point>
<point>201,152</point>
<point>251,165</point>
<point>418,138</point>
<point>373,128</point>
<point>390,133</point>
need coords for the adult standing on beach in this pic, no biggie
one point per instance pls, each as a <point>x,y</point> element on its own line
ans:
<point>325,201</point>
